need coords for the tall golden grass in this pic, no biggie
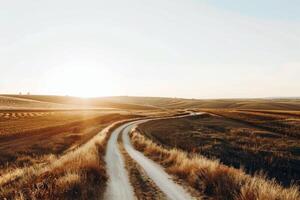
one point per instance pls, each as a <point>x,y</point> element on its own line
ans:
<point>79,174</point>
<point>212,178</point>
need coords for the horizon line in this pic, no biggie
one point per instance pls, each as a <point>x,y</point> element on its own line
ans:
<point>140,96</point>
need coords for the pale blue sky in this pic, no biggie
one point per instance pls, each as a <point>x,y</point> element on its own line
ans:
<point>268,9</point>
<point>192,49</point>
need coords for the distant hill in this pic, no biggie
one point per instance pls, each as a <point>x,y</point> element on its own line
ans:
<point>170,103</point>
<point>16,102</point>
<point>62,102</point>
<point>142,103</point>
<point>283,98</point>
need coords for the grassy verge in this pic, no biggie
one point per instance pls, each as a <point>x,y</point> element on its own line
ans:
<point>211,178</point>
<point>78,174</point>
<point>233,143</point>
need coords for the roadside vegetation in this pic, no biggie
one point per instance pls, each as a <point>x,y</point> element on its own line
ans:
<point>39,136</point>
<point>213,179</point>
<point>51,148</point>
<point>234,142</point>
<point>76,171</point>
<point>79,174</point>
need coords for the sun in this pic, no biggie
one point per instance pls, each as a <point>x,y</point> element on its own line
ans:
<point>82,81</point>
<point>85,82</point>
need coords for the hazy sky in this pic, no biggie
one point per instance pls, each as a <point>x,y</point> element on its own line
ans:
<point>176,48</point>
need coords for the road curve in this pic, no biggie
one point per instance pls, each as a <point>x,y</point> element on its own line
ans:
<point>154,171</point>
<point>119,186</point>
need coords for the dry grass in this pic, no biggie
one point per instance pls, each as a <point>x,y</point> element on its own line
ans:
<point>61,135</point>
<point>78,174</point>
<point>143,103</point>
<point>213,179</point>
<point>284,122</point>
<point>10,102</point>
<point>21,122</point>
<point>63,102</point>
<point>176,103</point>
<point>234,143</point>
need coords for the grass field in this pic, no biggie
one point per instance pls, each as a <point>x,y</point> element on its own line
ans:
<point>65,102</point>
<point>48,132</point>
<point>178,103</point>
<point>53,155</point>
<point>211,178</point>
<point>253,140</point>
<point>52,147</point>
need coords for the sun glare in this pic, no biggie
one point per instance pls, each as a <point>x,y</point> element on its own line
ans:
<point>82,81</point>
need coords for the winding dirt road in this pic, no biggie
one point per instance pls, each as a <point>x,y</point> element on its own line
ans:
<point>119,186</point>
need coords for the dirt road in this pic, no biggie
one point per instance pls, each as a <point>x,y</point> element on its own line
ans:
<point>119,186</point>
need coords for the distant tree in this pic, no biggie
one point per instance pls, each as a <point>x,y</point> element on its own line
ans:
<point>28,93</point>
<point>20,93</point>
